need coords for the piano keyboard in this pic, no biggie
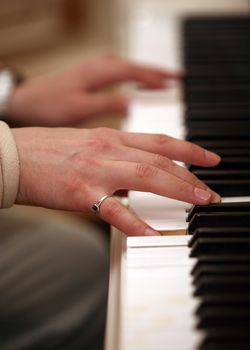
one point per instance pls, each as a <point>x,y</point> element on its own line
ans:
<point>217,61</point>
<point>161,297</point>
<point>220,244</point>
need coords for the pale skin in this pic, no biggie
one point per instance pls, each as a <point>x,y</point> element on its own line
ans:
<point>71,169</point>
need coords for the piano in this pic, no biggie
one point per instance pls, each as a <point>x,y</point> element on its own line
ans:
<point>189,288</point>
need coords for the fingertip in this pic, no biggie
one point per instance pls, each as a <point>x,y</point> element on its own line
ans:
<point>206,196</point>
<point>202,196</point>
<point>216,198</point>
<point>151,232</point>
<point>212,157</point>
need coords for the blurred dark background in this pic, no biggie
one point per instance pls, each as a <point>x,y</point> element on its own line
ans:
<point>39,36</point>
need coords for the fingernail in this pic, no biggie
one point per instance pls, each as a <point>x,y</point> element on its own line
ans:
<point>216,197</point>
<point>151,232</point>
<point>213,156</point>
<point>202,194</point>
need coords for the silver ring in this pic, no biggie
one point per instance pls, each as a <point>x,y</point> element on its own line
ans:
<point>96,207</point>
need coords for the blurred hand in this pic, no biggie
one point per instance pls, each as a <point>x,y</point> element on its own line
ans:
<point>72,169</point>
<point>69,97</point>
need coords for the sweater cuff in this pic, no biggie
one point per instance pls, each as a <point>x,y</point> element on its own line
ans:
<point>9,166</point>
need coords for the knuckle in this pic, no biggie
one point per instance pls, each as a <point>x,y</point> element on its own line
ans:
<point>190,148</point>
<point>184,189</point>
<point>195,182</point>
<point>203,153</point>
<point>162,162</point>
<point>79,161</point>
<point>136,227</point>
<point>91,163</point>
<point>98,145</point>
<point>112,208</point>
<point>144,170</point>
<point>162,139</point>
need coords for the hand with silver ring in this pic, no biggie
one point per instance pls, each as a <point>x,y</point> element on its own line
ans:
<point>96,207</point>
<point>80,170</point>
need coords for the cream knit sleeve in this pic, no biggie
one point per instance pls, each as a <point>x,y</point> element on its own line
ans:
<point>9,167</point>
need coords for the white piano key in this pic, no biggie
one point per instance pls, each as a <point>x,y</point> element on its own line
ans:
<point>157,241</point>
<point>157,304</point>
<point>157,114</point>
<point>235,199</point>
<point>145,45</point>
<point>159,212</point>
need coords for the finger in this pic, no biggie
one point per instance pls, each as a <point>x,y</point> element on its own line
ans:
<point>123,153</point>
<point>118,215</point>
<point>157,160</point>
<point>172,148</point>
<point>148,178</point>
<point>114,70</point>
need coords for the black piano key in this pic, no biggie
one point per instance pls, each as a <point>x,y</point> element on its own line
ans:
<point>202,70</point>
<point>226,338</point>
<point>219,65</point>
<point>236,344</point>
<point>201,80</point>
<point>216,232</point>
<point>230,188</point>
<point>218,124</point>
<point>221,270</point>
<point>217,115</point>
<point>230,300</point>
<point>217,95</point>
<point>208,270</point>
<point>226,152</point>
<point>229,174</point>
<point>221,285</point>
<point>225,21</point>
<point>218,207</point>
<point>229,333</point>
<point>220,246</point>
<point>223,317</point>
<point>220,219</point>
<point>204,57</point>
<point>220,133</point>
<point>196,24</point>
<point>232,143</point>
<point>217,260</point>
<point>231,163</point>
